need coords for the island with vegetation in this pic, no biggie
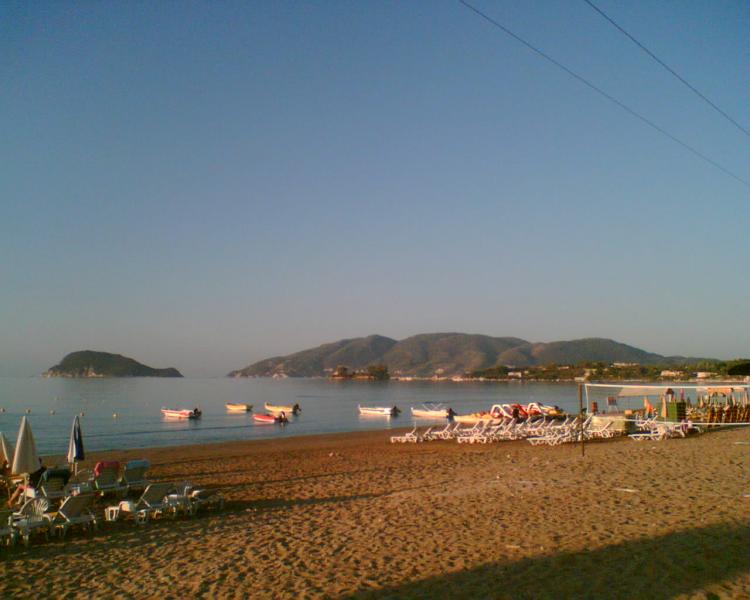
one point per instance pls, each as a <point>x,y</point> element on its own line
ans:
<point>88,363</point>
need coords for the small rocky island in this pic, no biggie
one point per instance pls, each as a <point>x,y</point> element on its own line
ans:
<point>88,363</point>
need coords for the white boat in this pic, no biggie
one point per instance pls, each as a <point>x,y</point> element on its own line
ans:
<point>181,413</point>
<point>431,411</point>
<point>381,411</point>
<point>475,418</point>
<point>234,407</point>
<point>278,409</point>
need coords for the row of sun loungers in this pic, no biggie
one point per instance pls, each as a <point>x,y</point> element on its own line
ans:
<point>654,430</point>
<point>536,431</point>
<point>546,432</point>
<point>58,504</point>
<point>105,479</point>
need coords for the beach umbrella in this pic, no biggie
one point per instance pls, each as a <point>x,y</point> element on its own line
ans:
<point>5,449</point>
<point>25,458</point>
<point>75,446</point>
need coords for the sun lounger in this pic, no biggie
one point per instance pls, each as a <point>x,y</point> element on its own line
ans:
<point>51,484</point>
<point>440,434</point>
<point>75,510</point>
<point>469,436</point>
<point>7,533</point>
<point>31,518</point>
<point>411,437</point>
<point>198,498</point>
<point>652,436</point>
<point>134,475</point>
<point>106,478</point>
<point>154,501</point>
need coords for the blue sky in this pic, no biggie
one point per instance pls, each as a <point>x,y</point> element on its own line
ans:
<point>203,185</point>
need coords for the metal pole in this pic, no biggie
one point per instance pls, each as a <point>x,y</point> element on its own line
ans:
<point>580,418</point>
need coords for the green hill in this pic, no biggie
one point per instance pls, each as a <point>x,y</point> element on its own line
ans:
<point>447,354</point>
<point>355,353</point>
<point>88,363</point>
<point>576,351</point>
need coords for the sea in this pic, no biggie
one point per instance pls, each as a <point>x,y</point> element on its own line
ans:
<point>124,413</point>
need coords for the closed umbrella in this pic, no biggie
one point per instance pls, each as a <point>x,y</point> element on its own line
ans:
<point>25,458</point>
<point>75,446</point>
<point>5,450</point>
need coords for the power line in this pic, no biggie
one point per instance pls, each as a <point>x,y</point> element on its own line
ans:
<point>601,92</point>
<point>668,68</point>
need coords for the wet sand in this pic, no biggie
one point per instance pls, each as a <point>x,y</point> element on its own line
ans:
<point>351,515</point>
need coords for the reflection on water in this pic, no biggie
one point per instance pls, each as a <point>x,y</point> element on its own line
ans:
<point>125,413</point>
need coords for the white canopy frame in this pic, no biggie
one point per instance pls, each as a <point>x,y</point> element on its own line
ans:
<point>660,390</point>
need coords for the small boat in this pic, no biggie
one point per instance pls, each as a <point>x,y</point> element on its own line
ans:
<point>238,408</point>
<point>536,409</point>
<point>474,418</point>
<point>431,411</point>
<point>380,411</point>
<point>280,418</point>
<point>278,409</point>
<point>181,413</point>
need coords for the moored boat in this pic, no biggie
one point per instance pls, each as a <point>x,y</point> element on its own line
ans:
<point>238,408</point>
<point>266,418</point>
<point>380,411</point>
<point>181,413</point>
<point>474,418</point>
<point>278,409</point>
<point>427,411</point>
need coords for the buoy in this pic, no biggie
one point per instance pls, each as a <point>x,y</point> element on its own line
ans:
<point>2,410</point>
<point>52,412</point>
<point>80,414</point>
<point>114,415</point>
<point>28,411</point>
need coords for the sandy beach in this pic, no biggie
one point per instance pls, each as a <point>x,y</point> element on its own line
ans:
<point>351,515</point>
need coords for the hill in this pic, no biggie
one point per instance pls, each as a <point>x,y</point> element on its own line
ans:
<point>355,353</point>
<point>88,363</point>
<point>447,354</point>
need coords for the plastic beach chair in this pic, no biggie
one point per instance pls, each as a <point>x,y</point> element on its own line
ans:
<point>154,501</point>
<point>106,480</point>
<point>412,437</point>
<point>51,484</point>
<point>74,511</point>
<point>7,533</point>
<point>198,498</point>
<point>134,475</point>
<point>30,518</point>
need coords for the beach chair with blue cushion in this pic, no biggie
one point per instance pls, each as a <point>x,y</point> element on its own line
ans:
<point>52,484</point>
<point>134,475</point>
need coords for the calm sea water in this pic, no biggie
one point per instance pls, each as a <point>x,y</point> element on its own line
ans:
<point>326,407</point>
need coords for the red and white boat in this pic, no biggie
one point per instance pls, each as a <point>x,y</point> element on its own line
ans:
<point>261,418</point>
<point>181,413</point>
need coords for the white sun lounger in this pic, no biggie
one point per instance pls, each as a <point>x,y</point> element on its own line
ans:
<point>75,510</point>
<point>31,518</point>
<point>154,501</point>
<point>411,437</point>
<point>7,533</point>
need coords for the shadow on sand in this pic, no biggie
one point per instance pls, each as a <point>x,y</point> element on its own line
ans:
<point>656,567</point>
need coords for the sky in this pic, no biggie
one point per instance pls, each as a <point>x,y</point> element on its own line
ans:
<point>203,185</point>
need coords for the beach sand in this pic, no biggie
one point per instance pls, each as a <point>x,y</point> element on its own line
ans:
<point>351,515</point>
